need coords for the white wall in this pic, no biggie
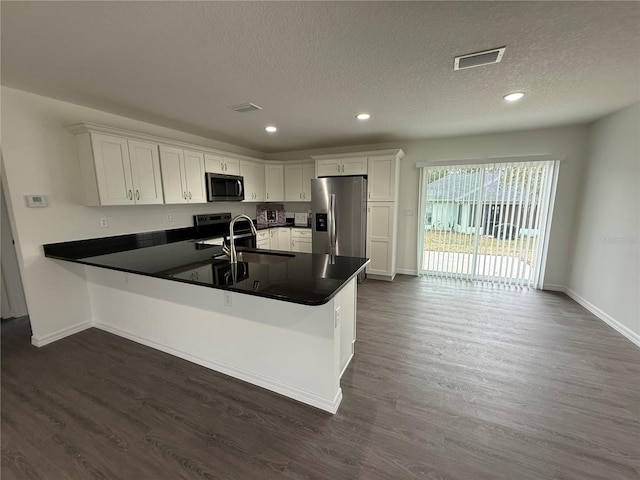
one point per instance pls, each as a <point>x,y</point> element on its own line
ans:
<point>568,142</point>
<point>40,157</point>
<point>604,272</point>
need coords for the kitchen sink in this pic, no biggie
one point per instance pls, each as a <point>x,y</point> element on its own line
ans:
<point>259,257</point>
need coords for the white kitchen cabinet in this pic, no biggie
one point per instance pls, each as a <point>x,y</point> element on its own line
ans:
<point>254,184</point>
<point>274,182</point>
<point>383,172</point>
<point>297,181</point>
<point>301,240</point>
<point>182,175</point>
<point>262,239</point>
<point>118,171</point>
<point>274,243</point>
<point>214,163</point>
<point>332,167</point>
<point>381,236</point>
<point>145,172</point>
<point>280,238</point>
<point>284,238</point>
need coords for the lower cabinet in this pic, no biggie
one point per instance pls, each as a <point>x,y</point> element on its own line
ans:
<point>301,240</point>
<point>286,239</point>
<point>262,240</point>
<point>381,229</point>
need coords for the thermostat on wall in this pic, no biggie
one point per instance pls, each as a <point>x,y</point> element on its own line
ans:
<point>34,201</point>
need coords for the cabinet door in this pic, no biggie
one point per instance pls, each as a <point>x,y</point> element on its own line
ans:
<point>113,169</point>
<point>274,182</point>
<point>145,172</point>
<point>231,166</point>
<point>301,245</point>
<point>382,178</point>
<point>284,238</point>
<point>354,166</point>
<point>173,181</point>
<point>253,174</point>
<point>194,175</point>
<point>214,163</point>
<point>293,183</point>
<point>308,173</point>
<point>262,240</point>
<point>380,224</point>
<point>329,167</point>
<point>274,243</point>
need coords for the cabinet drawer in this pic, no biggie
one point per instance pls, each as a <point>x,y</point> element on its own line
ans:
<point>263,235</point>
<point>300,233</point>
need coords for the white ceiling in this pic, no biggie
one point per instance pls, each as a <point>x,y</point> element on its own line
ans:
<point>312,66</point>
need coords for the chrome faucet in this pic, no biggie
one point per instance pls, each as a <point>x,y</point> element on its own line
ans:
<point>231,249</point>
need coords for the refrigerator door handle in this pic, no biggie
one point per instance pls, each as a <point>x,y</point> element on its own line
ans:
<point>332,224</point>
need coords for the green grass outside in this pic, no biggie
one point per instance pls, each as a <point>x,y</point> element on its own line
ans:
<point>455,242</point>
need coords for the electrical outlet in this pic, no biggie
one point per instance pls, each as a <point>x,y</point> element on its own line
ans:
<point>169,217</point>
<point>337,317</point>
<point>104,223</point>
<point>227,299</point>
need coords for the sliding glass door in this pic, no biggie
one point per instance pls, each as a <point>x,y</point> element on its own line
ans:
<point>485,221</point>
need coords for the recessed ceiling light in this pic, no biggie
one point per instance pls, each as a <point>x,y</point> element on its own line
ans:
<point>512,97</point>
<point>363,116</point>
<point>271,129</point>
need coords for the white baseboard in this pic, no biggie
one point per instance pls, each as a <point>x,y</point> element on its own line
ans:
<point>309,398</point>
<point>65,332</point>
<point>403,271</point>
<point>609,320</point>
<point>554,288</point>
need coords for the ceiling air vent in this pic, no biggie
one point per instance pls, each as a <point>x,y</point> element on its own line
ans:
<point>477,59</point>
<point>245,107</point>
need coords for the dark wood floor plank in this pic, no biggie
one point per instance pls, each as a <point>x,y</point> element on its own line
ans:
<point>450,381</point>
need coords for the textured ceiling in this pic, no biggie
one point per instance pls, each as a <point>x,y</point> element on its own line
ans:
<point>312,66</point>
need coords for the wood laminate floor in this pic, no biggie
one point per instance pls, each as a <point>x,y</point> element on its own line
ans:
<point>449,381</point>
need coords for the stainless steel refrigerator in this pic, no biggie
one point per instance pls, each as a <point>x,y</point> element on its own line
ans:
<point>339,216</point>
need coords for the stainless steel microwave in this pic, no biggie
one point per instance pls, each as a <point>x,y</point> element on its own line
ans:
<point>224,188</point>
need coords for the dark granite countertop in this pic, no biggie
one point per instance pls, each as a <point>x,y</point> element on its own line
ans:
<point>305,278</point>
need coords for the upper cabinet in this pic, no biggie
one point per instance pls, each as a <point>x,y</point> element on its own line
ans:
<point>182,175</point>
<point>381,167</point>
<point>214,163</point>
<point>274,182</point>
<point>254,184</point>
<point>383,172</point>
<point>297,181</point>
<point>338,166</point>
<point>117,170</point>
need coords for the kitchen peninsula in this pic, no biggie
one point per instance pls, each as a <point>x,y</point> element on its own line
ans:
<point>283,321</point>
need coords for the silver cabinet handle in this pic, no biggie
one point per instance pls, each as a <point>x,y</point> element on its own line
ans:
<point>338,168</point>
<point>130,195</point>
<point>300,195</point>
<point>304,195</point>
<point>137,194</point>
<point>189,195</point>
<point>221,167</point>
<point>267,195</point>
<point>226,167</point>
<point>197,275</point>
